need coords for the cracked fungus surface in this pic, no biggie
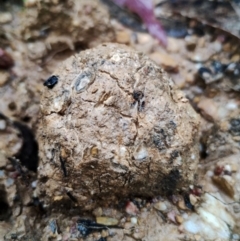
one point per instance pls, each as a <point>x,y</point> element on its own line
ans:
<point>114,126</point>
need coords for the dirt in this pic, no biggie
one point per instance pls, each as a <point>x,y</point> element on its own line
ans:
<point>201,59</point>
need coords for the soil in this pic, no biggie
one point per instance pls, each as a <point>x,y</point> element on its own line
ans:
<point>201,59</point>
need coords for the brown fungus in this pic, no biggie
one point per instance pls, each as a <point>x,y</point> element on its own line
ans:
<point>111,149</point>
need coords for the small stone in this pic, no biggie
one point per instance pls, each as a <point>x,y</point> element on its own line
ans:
<point>97,212</point>
<point>30,3</point>
<point>191,42</point>
<point>36,50</point>
<point>34,184</point>
<point>104,233</point>
<point>58,198</point>
<point>107,221</point>
<point>179,219</point>
<point>198,57</point>
<point>131,208</point>
<point>190,77</point>
<point>9,182</point>
<point>26,198</point>
<point>235,236</point>
<point>173,45</point>
<point>204,54</point>
<point>197,237</point>
<point>171,216</point>
<point>181,204</point>
<point>144,38</point>
<point>134,220</point>
<point>209,108</point>
<point>123,37</point>
<point>179,79</point>
<point>94,151</point>
<point>17,211</point>
<point>193,199</point>
<point>227,170</point>
<point>3,160</point>
<point>128,226</point>
<point>160,206</point>
<point>3,125</point>
<point>235,58</point>
<point>226,183</point>
<point>165,60</point>
<point>139,234</point>
<point>234,167</point>
<point>4,77</point>
<point>227,47</point>
<point>9,168</point>
<point>5,17</point>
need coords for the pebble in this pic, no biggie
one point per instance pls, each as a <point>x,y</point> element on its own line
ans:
<point>2,174</point>
<point>193,199</point>
<point>17,211</point>
<point>191,42</point>
<point>179,219</point>
<point>227,169</point>
<point>181,204</point>
<point>234,167</point>
<point>4,77</point>
<point>179,80</point>
<point>58,198</point>
<point>236,208</point>
<point>226,183</point>
<point>144,38</point>
<point>165,60</point>
<point>131,208</point>
<point>171,216</point>
<point>3,125</point>
<point>104,233</point>
<point>123,37</point>
<point>235,58</point>
<point>138,234</point>
<point>36,50</point>
<point>204,54</point>
<point>160,206</point>
<point>235,236</point>
<point>134,220</point>
<point>97,212</point>
<point>30,3</point>
<point>5,17</point>
<point>26,198</point>
<point>107,221</point>
<point>9,168</point>
<point>34,184</point>
<point>128,227</point>
<point>9,182</point>
<point>3,160</point>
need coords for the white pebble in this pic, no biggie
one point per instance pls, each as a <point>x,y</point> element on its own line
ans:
<point>227,168</point>
<point>34,184</point>
<point>235,236</point>
<point>209,173</point>
<point>9,182</point>
<point>134,220</point>
<point>141,153</point>
<point>3,124</point>
<point>231,106</point>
